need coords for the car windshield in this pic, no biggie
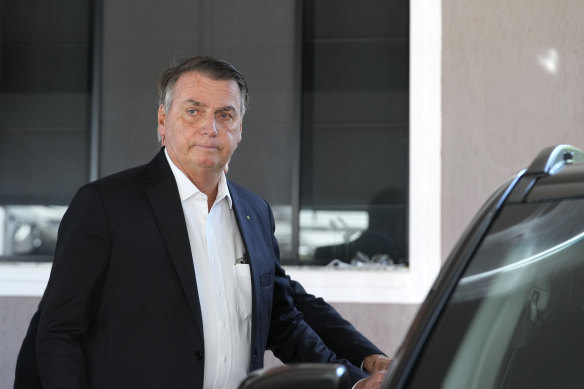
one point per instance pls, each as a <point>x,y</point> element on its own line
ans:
<point>516,317</point>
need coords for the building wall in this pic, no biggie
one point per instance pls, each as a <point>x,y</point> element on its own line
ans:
<point>15,314</point>
<point>512,84</point>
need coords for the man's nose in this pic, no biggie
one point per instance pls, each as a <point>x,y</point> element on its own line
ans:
<point>209,126</point>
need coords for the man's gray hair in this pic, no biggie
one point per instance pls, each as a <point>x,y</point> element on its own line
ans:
<point>214,68</point>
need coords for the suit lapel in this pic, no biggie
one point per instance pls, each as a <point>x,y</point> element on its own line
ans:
<point>242,211</point>
<point>162,193</point>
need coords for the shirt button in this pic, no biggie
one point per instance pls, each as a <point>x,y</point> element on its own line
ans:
<point>224,359</point>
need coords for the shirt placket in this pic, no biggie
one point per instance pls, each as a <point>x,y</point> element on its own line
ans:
<point>223,328</point>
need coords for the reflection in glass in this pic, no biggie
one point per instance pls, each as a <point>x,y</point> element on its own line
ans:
<point>320,229</point>
<point>376,236</point>
<point>29,233</point>
<point>517,314</point>
<point>283,233</point>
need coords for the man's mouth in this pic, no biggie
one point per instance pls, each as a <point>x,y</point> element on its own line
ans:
<point>205,147</point>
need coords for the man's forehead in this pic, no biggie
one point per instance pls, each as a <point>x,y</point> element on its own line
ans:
<point>196,88</point>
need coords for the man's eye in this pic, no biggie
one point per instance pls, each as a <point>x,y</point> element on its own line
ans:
<point>192,111</point>
<point>225,116</point>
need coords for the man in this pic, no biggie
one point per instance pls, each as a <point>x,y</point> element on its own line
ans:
<point>150,259</point>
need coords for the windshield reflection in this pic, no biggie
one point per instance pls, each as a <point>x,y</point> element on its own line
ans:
<point>523,239</point>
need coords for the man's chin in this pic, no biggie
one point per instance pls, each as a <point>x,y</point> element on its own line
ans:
<point>207,165</point>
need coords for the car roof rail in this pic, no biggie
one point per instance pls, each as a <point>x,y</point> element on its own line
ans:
<point>552,159</point>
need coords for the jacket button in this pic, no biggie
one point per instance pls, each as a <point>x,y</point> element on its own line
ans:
<point>199,355</point>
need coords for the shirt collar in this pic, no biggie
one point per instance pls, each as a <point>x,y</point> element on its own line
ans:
<point>187,189</point>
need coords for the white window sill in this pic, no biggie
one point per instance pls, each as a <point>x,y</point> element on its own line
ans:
<point>391,285</point>
<point>24,279</point>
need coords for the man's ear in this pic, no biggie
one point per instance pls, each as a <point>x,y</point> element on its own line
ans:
<point>161,120</point>
<point>240,131</point>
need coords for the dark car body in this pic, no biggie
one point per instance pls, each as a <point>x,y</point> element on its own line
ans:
<point>507,309</point>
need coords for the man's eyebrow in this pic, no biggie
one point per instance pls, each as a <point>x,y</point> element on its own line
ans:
<point>195,103</point>
<point>200,104</point>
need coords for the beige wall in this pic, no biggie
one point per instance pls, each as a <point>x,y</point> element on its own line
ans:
<point>15,314</point>
<point>500,105</point>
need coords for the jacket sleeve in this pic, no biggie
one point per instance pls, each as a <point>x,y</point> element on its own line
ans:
<point>26,374</point>
<point>73,291</point>
<point>337,333</point>
<point>290,338</point>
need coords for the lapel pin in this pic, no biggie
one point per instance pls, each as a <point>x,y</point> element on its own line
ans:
<point>248,218</point>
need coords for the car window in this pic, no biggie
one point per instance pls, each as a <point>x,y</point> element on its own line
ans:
<point>516,316</point>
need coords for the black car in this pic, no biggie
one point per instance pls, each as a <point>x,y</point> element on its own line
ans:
<point>507,309</point>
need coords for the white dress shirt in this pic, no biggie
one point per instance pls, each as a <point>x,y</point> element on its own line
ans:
<point>224,285</point>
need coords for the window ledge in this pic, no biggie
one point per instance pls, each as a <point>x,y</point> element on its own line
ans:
<point>24,279</point>
<point>393,285</point>
<point>389,285</point>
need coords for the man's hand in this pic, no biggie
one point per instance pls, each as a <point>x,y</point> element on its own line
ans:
<point>376,362</point>
<point>372,382</point>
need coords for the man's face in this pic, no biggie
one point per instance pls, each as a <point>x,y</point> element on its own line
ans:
<point>203,126</point>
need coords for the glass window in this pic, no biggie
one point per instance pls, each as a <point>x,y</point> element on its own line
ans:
<point>44,116</point>
<point>515,318</point>
<point>354,148</point>
<point>327,134</point>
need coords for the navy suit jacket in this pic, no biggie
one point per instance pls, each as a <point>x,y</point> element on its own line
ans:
<point>121,308</point>
<point>337,333</point>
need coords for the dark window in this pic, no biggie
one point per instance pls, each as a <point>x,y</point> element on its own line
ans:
<point>354,147</point>
<point>44,115</point>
